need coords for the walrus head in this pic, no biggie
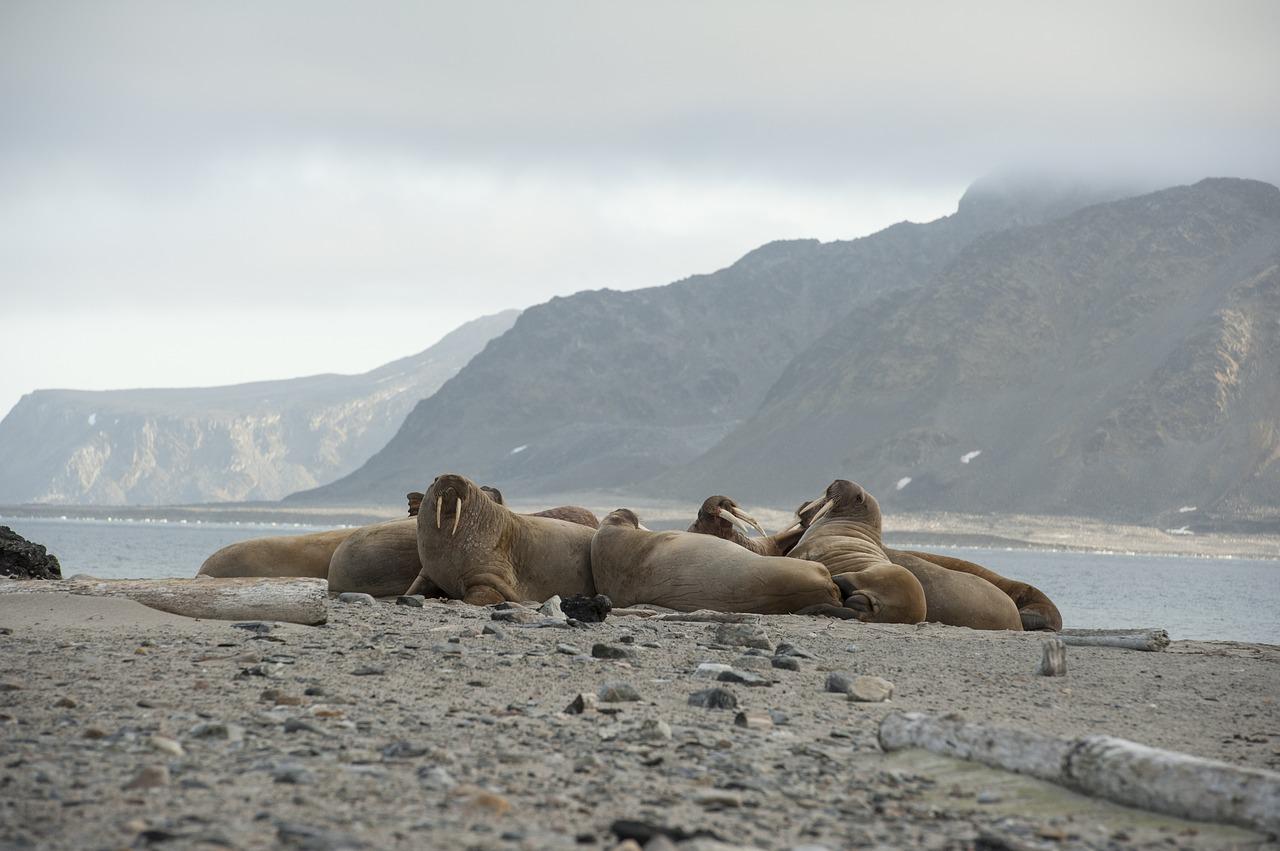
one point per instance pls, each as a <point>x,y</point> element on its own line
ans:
<point>845,500</point>
<point>622,517</point>
<point>720,516</point>
<point>454,504</point>
<point>415,502</point>
<point>494,494</point>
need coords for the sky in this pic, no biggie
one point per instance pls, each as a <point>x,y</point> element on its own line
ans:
<point>212,193</point>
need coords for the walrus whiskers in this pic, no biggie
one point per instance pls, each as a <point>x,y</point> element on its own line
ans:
<point>457,515</point>
<point>439,501</point>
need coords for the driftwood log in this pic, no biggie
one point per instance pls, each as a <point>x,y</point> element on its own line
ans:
<point>1119,770</point>
<point>1128,639</point>
<point>291,600</point>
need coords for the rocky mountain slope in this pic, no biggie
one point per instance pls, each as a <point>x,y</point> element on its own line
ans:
<point>608,389</point>
<point>254,441</point>
<point>1122,362</point>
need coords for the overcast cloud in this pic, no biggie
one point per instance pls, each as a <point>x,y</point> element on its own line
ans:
<point>221,192</point>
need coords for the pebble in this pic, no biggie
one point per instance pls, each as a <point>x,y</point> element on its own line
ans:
<point>745,678</point>
<point>568,650</point>
<point>292,774</point>
<point>517,615</point>
<point>743,635</point>
<point>753,663</point>
<point>649,730</point>
<point>217,730</point>
<point>718,798</point>
<point>357,597</point>
<point>490,629</point>
<point>611,651</point>
<point>870,690</point>
<point>788,649</point>
<point>258,627</point>
<point>617,692</point>
<point>368,671</point>
<point>838,683</point>
<point>711,670</point>
<point>581,704</point>
<point>753,720</point>
<point>297,725</point>
<point>164,744</point>
<point>149,777</point>
<point>435,777</point>
<point>66,703</point>
<point>786,663</point>
<point>551,608</point>
<point>714,698</point>
<point>403,750</point>
<point>413,601</point>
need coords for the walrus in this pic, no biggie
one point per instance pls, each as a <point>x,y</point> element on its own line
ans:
<point>722,517</point>
<point>285,555</point>
<point>572,513</point>
<point>844,536</point>
<point>951,597</point>
<point>1035,609</point>
<point>482,553</point>
<point>381,560</point>
<point>686,571</point>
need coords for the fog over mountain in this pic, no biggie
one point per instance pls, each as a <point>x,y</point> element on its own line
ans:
<point>255,441</point>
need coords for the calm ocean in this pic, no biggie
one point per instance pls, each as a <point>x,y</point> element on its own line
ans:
<point>1190,597</point>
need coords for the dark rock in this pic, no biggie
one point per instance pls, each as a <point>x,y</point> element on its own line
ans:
<point>581,704</point>
<point>257,627</point>
<point>743,635</point>
<point>517,614</point>
<point>746,678</point>
<point>610,651</point>
<point>714,698</point>
<point>368,671</point>
<point>838,683</point>
<point>586,609</point>
<point>787,649</point>
<point>642,832</point>
<point>490,629</point>
<point>21,559</point>
<point>297,725</point>
<point>617,693</point>
<point>786,663</point>
<point>412,600</point>
<point>308,838</point>
<point>292,774</point>
<point>403,750</point>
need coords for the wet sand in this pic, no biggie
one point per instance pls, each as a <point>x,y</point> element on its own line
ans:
<point>393,726</point>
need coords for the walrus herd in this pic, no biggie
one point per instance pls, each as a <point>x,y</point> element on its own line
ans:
<point>461,541</point>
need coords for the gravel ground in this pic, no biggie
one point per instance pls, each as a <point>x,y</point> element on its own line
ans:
<point>438,727</point>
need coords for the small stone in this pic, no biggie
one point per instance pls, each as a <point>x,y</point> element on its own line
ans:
<point>714,698</point>
<point>752,663</point>
<point>786,663</point>
<point>517,615</point>
<point>314,691</point>
<point>870,690</point>
<point>66,703</point>
<point>851,648</point>
<point>435,777</point>
<point>586,609</point>
<point>745,678</point>
<point>617,693</point>
<point>490,629</point>
<point>718,798</point>
<point>778,717</point>
<point>10,687</point>
<point>568,650</point>
<point>988,798</point>
<point>551,608</point>
<point>403,750</point>
<point>93,733</point>
<point>164,744</point>
<point>611,651</point>
<point>743,635</point>
<point>297,725</point>
<point>753,720</point>
<point>1053,661</point>
<point>581,703</point>
<point>649,730</point>
<point>258,627</point>
<point>413,601</point>
<point>217,730</point>
<point>710,670</point>
<point>368,671</point>
<point>149,778</point>
<point>357,597</point>
<point>788,649</point>
<point>292,774</point>
<point>838,683</point>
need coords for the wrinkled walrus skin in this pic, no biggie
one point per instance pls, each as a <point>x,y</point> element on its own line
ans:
<point>1035,609</point>
<point>846,540</point>
<point>381,560</point>
<point>482,553</point>
<point>287,555</point>
<point>687,571</point>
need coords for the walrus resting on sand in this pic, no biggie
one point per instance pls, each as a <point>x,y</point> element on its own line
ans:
<point>380,560</point>
<point>841,537</point>
<point>722,517</point>
<point>951,597</point>
<point>480,552</point>
<point>1035,609</point>
<point>287,555</point>
<point>687,571</point>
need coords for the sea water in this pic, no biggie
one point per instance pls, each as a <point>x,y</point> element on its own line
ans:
<point>1220,599</point>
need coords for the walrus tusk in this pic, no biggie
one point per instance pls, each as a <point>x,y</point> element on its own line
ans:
<point>826,506</point>
<point>810,504</point>
<point>643,528</point>
<point>439,501</point>
<point>791,528</point>
<point>417,583</point>
<point>747,517</point>
<point>457,515</point>
<point>734,520</point>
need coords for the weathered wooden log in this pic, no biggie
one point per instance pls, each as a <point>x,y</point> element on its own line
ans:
<point>291,600</point>
<point>1119,770</point>
<point>1053,663</point>
<point>708,616</point>
<point>1127,639</point>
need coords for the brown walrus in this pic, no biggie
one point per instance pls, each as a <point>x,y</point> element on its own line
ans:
<point>722,517</point>
<point>684,571</point>
<point>381,560</point>
<point>480,552</point>
<point>951,597</point>
<point>1035,609</point>
<point>844,536</point>
<point>286,555</point>
<point>572,513</point>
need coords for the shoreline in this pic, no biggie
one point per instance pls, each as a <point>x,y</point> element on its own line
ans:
<point>400,727</point>
<point>946,529</point>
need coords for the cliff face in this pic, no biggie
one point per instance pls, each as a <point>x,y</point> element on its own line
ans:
<point>255,441</point>
<point>606,389</point>
<point>1122,362</point>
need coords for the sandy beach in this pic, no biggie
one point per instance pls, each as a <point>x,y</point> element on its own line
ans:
<point>439,727</point>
